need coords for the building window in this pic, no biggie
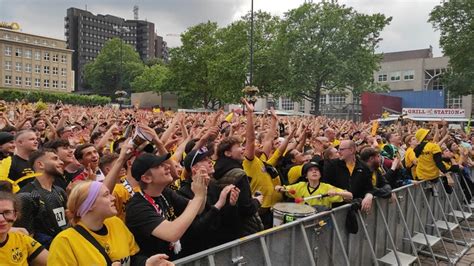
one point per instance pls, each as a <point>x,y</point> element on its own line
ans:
<point>55,84</point>
<point>395,76</point>
<point>18,52</point>
<point>18,81</point>
<point>46,83</point>
<point>8,80</point>
<point>37,82</point>
<point>8,65</point>
<point>63,59</point>
<point>8,50</point>
<point>28,54</point>
<point>18,66</point>
<point>55,57</point>
<point>301,107</point>
<point>337,99</point>
<point>46,56</point>
<point>63,72</point>
<point>287,104</point>
<point>37,55</point>
<point>46,69</point>
<point>453,102</point>
<point>28,68</point>
<point>37,69</point>
<point>55,70</point>
<point>63,84</point>
<point>382,77</point>
<point>27,81</point>
<point>409,75</point>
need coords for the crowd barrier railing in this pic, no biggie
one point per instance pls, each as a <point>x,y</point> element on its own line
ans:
<point>414,222</point>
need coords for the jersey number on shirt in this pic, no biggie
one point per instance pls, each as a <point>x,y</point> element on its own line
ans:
<point>60,217</point>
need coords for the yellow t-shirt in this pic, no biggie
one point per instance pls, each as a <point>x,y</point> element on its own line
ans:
<point>122,195</point>
<point>426,168</point>
<point>18,249</point>
<point>294,173</point>
<point>302,190</point>
<point>273,161</point>
<point>409,158</point>
<point>262,181</point>
<point>336,143</point>
<point>71,248</point>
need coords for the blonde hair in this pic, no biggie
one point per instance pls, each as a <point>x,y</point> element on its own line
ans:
<point>78,195</point>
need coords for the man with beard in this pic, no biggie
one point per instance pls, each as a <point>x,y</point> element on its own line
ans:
<point>380,177</point>
<point>65,153</point>
<point>44,204</point>
<point>7,145</point>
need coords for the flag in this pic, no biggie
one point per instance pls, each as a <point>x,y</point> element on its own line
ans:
<point>375,126</point>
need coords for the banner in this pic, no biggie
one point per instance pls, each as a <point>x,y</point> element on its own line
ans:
<point>433,112</point>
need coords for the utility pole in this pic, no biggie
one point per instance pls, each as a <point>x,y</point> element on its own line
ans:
<point>251,45</point>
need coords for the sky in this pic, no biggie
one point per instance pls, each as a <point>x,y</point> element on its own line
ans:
<point>409,29</point>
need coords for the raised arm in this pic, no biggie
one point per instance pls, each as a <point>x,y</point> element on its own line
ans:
<point>249,132</point>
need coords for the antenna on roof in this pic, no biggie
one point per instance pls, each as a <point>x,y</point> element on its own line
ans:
<point>86,7</point>
<point>135,12</point>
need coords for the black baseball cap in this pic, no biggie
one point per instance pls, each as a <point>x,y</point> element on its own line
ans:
<point>5,137</point>
<point>146,161</point>
<point>194,157</point>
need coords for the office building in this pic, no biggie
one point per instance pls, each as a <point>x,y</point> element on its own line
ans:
<point>33,62</point>
<point>87,33</point>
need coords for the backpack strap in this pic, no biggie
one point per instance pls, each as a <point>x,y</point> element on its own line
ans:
<point>84,233</point>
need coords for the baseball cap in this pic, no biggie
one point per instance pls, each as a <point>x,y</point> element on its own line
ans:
<point>194,157</point>
<point>146,161</point>
<point>5,137</point>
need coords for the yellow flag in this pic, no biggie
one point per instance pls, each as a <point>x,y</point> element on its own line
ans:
<point>375,126</point>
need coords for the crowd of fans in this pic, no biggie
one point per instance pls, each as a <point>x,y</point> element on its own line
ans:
<point>145,187</point>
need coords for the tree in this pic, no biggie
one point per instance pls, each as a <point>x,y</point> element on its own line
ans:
<point>455,21</point>
<point>233,55</point>
<point>152,79</point>
<point>190,64</point>
<point>114,69</point>
<point>327,46</point>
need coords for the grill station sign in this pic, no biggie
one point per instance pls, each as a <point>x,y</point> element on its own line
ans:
<point>434,112</point>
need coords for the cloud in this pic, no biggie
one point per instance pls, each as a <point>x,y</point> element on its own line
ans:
<point>409,28</point>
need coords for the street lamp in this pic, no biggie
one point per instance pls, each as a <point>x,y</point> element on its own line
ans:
<point>121,30</point>
<point>251,45</point>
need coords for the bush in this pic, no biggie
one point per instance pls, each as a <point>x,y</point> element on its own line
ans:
<point>52,97</point>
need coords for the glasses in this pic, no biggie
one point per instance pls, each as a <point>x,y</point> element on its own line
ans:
<point>200,151</point>
<point>8,214</point>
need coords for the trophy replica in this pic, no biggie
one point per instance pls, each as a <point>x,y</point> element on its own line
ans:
<point>250,94</point>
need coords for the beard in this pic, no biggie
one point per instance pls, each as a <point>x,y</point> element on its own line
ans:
<point>53,171</point>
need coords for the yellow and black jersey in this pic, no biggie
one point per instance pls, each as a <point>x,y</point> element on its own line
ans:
<point>71,248</point>
<point>302,190</point>
<point>262,181</point>
<point>426,168</point>
<point>19,249</point>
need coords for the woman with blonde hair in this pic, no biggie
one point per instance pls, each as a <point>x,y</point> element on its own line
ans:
<point>98,236</point>
<point>16,248</point>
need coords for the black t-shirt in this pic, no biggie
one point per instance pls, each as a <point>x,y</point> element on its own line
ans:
<point>142,218</point>
<point>20,168</point>
<point>43,211</point>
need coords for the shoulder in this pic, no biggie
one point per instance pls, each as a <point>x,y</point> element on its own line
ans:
<point>27,188</point>
<point>114,222</point>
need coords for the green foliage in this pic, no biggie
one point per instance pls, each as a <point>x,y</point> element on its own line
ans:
<point>328,46</point>
<point>190,66</point>
<point>52,97</point>
<point>116,66</point>
<point>152,79</point>
<point>455,21</point>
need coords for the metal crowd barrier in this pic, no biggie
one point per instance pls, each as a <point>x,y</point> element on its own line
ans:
<point>395,232</point>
